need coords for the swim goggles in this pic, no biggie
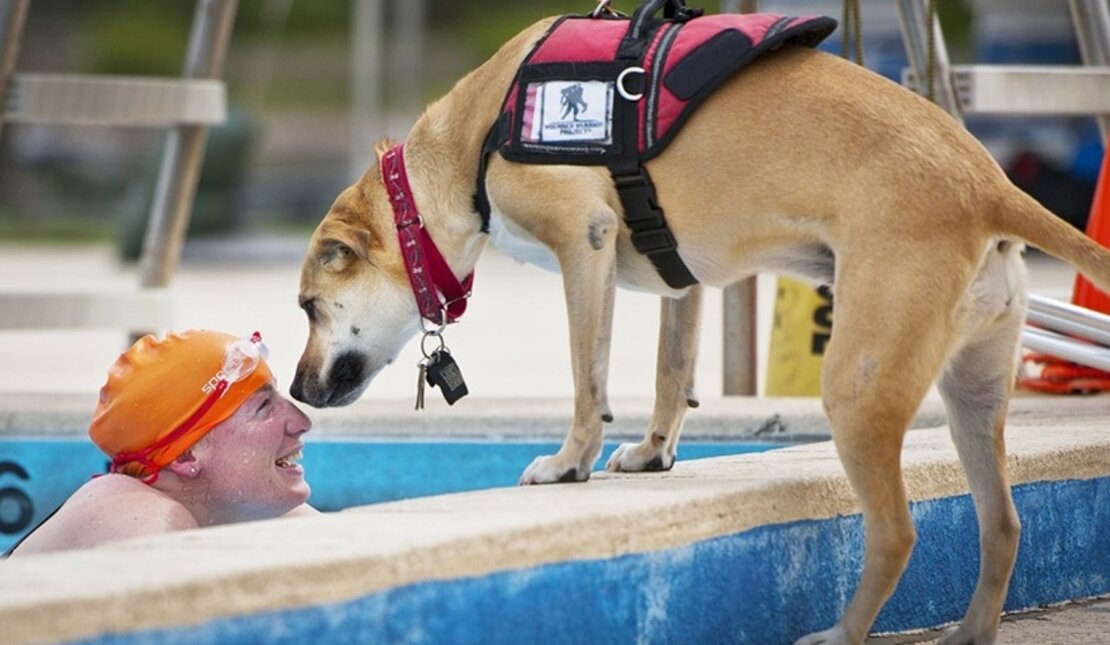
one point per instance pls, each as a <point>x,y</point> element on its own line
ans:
<point>240,361</point>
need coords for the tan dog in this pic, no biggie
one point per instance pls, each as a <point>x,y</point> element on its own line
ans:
<point>801,162</point>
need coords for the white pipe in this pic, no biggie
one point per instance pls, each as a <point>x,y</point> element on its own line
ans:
<point>1047,342</point>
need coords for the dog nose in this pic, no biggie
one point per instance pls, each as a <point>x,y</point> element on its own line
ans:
<point>346,373</point>
<point>296,390</point>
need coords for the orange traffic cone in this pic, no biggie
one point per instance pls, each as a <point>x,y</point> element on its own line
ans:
<point>1063,377</point>
<point>1086,294</point>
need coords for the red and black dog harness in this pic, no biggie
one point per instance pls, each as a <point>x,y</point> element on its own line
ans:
<point>614,91</point>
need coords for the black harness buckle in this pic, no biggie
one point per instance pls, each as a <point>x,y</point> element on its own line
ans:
<point>647,224</point>
<point>650,234</point>
<point>637,194</point>
<point>652,241</point>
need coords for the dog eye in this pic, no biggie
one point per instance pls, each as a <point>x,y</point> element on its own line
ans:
<point>309,307</point>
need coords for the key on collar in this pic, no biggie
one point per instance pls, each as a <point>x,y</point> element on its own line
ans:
<point>443,372</point>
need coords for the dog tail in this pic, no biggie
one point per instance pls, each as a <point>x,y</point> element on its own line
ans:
<point>1022,216</point>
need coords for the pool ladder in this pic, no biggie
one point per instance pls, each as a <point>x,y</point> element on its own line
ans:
<point>185,106</point>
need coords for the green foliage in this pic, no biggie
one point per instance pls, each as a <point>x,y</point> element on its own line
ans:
<point>957,19</point>
<point>143,37</point>
<point>486,30</point>
<point>307,18</point>
<point>69,229</point>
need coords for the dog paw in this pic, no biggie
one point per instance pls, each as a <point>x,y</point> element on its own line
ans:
<point>960,636</point>
<point>639,457</point>
<point>552,469</point>
<point>833,636</point>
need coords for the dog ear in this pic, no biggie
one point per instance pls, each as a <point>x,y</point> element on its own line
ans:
<point>383,146</point>
<point>340,243</point>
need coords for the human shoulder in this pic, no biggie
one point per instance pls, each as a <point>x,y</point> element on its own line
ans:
<point>108,509</point>
<point>133,505</point>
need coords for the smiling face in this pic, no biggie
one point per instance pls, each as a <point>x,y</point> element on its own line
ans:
<point>246,467</point>
<point>357,297</point>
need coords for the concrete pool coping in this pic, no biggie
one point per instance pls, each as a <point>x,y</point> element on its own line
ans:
<point>212,574</point>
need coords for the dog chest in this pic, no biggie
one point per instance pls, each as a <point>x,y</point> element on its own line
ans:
<point>517,243</point>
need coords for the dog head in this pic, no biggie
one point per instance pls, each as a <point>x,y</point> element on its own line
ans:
<point>357,297</point>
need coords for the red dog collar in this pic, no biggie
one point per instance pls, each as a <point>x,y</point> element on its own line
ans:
<point>440,296</point>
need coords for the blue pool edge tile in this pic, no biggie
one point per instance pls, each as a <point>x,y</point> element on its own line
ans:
<point>769,584</point>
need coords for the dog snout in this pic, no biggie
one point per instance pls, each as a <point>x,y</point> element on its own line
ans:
<point>304,389</point>
<point>346,376</point>
<point>342,383</point>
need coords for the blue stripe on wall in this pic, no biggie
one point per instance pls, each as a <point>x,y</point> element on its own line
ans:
<point>770,584</point>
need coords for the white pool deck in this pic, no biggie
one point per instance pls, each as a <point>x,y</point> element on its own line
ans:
<point>516,322</point>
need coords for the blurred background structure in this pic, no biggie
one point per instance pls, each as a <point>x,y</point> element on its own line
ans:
<point>304,78</point>
<point>311,86</point>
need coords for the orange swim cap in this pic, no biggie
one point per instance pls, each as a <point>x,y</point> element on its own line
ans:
<point>162,396</point>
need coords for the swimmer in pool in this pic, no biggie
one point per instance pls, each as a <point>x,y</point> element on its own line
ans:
<point>198,435</point>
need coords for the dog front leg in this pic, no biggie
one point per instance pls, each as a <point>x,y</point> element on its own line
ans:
<point>589,281</point>
<point>679,322</point>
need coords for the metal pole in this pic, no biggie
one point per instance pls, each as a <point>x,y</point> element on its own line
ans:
<point>184,152</point>
<point>366,82</point>
<point>741,369</point>
<point>13,15</point>
<point>1092,31</point>
<point>739,307</point>
<point>916,21</point>
<point>408,50</point>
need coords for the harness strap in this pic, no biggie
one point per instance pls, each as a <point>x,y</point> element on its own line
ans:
<point>497,133</point>
<point>635,42</point>
<point>645,218</point>
<point>650,234</point>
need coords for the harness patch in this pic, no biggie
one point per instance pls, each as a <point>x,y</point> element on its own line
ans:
<point>568,111</point>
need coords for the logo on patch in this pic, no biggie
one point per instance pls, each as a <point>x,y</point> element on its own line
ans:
<point>572,98</point>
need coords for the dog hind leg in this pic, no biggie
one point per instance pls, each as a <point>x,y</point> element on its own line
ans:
<point>679,322</point>
<point>895,323</point>
<point>976,388</point>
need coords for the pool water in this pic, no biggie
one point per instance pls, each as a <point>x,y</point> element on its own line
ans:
<point>36,475</point>
<point>383,471</point>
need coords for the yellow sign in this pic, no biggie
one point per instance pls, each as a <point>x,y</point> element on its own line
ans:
<point>801,330</point>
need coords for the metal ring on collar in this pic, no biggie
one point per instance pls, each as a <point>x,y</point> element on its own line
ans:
<point>424,341</point>
<point>620,83</point>
<point>433,328</point>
